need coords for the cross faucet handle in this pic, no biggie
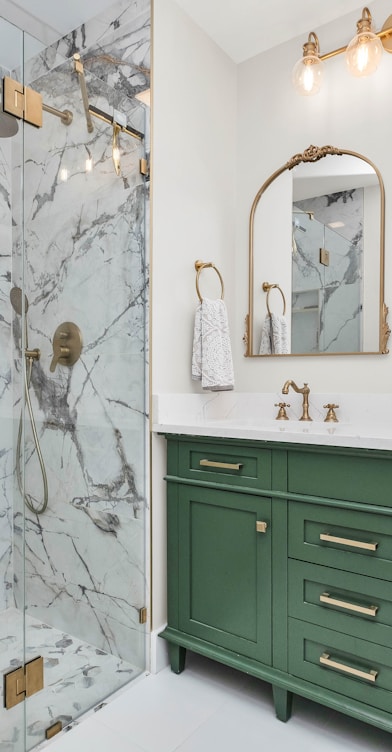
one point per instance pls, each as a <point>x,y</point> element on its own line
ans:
<point>331,415</point>
<point>282,410</point>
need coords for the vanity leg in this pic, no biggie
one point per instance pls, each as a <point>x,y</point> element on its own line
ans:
<point>283,700</point>
<point>177,658</point>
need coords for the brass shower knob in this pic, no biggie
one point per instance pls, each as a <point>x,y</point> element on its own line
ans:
<point>67,345</point>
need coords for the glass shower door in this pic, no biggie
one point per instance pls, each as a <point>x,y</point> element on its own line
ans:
<point>84,241</point>
<point>72,537</point>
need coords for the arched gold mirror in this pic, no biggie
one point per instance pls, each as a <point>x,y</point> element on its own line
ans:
<point>316,258</point>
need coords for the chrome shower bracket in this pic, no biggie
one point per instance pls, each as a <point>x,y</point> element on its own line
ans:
<point>67,345</point>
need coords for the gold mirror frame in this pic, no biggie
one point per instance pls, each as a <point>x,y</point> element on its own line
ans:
<point>314,154</point>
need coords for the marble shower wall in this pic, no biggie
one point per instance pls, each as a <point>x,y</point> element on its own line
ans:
<point>328,296</point>
<point>84,241</point>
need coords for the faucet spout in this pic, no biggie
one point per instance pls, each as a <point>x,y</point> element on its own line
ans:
<point>305,390</point>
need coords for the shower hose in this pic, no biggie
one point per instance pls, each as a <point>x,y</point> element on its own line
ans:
<point>29,501</point>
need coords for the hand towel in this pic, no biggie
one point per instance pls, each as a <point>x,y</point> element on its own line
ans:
<point>274,340</point>
<point>212,362</point>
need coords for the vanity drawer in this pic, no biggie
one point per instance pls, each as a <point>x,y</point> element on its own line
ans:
<point>352,667</point>
<point>229,463</point>
<point>350,603</point>
<point>363,478</point>
<point>341,538</point>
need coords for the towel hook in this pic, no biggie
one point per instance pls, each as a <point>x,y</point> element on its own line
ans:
<point>199,266</point>
<point>267,287</point>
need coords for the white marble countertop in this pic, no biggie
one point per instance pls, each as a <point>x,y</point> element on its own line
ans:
<point>367,418</point>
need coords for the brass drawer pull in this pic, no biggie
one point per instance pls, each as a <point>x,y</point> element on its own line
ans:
<point>369,676</point>
<point>261,527</point>
<point>224,465</point>
<point>348,542</point>
<point>368,610</point>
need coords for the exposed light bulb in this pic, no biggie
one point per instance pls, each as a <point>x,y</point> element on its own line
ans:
<point>115,149</point>
<point>89,164</point>
<point>64,174</point>
<point>308,71</point>
<point>363,54</point>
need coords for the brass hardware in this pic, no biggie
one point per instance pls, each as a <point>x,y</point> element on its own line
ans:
<point>23,682</point>
<point>305,393</point>
<point>143,167</point>
<point>65,116</point>
<point>282,410</point>
<point>267,288</point>
<point>386,30</point>
<point>368,610</point>
<point>348,542</point>
<point>67,345</point>
<point>324,257</point>
<point>369,676</point>
<point>22,102</point>
<point>53,730</point>
<point>13,97</point>
<point>26,104</point>
<point>224,465</point>
<point>261,527</point>
<point>331,416</point>
<point>199,266</point>
<point>33,354</point>
<point>79,69</point>
<point>143,615</point>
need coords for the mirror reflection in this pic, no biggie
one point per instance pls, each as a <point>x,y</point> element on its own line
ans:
<point>317,258</point>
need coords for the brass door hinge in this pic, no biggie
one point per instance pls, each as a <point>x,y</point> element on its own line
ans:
<point>53,730</point>
<point>143,615</point>
<point>144,167</point>
<point>22,102</point>
<point>23,682</point>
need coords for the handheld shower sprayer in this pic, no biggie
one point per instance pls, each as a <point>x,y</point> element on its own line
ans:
<point>20,305</point>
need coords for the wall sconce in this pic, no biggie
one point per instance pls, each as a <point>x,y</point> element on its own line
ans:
<point>363,54</point>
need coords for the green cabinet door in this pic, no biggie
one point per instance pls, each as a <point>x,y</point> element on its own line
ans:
<point>225,569</point>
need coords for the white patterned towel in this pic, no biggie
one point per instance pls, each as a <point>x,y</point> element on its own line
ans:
<point>212,361</point>
<point>274,340</point>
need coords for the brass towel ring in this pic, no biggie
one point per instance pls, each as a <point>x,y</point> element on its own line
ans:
<point>199,266</point>
<point>267,288</point>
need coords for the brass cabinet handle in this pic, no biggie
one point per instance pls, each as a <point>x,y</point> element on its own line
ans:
<point>368,610</point>
<point>369,676</point>
<point>225,465</point>
<point>261,527</point>
<point>347,542</point>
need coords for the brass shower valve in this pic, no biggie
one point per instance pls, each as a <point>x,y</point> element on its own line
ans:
<point>67,345</point>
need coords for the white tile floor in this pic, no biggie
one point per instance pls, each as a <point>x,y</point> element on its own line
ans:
<point>212,708</point>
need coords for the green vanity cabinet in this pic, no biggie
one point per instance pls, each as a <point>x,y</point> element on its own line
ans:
<point>224,569</point>
<point>280,565</point>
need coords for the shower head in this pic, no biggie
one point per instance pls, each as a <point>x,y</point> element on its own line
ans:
<point>16,297</point>
<point>8,125</point>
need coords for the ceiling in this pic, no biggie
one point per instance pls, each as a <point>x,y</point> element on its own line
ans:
<point>242,28</point>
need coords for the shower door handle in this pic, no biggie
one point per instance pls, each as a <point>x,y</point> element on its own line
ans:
<point>67,345</point>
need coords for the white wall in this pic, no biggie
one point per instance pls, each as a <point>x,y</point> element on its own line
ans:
<point>193,209</point>
<point>206,173</point>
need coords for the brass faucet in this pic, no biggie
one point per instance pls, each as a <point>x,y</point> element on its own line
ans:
<point>305,393</point>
